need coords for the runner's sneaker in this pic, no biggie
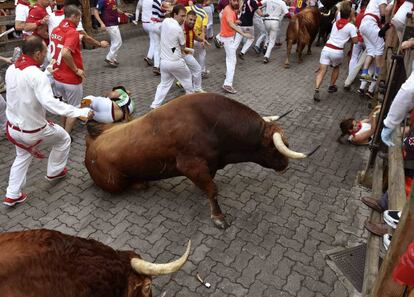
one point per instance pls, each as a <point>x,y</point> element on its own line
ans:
<point>241,55</point>
<point>386,240</point>
<point>217,43</point>
<point>256,49</point>
<point>111,63</point>
<point>266,60</point>
<point>392,217</point>
<point>229,89</point>
<point>156,70</point>
<point>11,202</point>
<point>316,96</point>
<point>199,91</point>
<point>59,176</point>
<point>148,61</point>
<point>179,85</point>
<point>347,87</point>
<point>332,89</point>
<point>361,92</point>
<point>370,95</point>
<point>205,74</point>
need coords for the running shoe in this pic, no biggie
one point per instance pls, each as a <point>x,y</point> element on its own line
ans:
<point>229,89</point>
<point>59,176</point>
<point>392,218</point>
<point>386,240</point>
<point>11,202</point>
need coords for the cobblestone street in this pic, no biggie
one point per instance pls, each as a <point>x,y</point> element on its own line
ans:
<point>280,224</point>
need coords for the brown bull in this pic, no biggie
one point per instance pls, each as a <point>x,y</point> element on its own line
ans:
<point>302,29</point>
<point>46,263</point>
<point>193,136</point>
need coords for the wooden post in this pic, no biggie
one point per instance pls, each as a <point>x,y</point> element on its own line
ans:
<point>373,248</point>
<point>404,234</point>
<point>86,16</point>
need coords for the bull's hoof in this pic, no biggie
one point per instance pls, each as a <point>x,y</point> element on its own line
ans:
<point>287,65</point>
<point>300,61</point>
<point>220,223</point>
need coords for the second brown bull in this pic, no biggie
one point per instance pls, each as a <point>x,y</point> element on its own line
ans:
<point>193,136</point>
<point>302,30</point>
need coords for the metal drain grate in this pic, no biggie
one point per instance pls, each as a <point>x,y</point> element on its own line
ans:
<point>351,262</point>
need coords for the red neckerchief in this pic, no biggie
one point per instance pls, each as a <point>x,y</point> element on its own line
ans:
<point>357,129</point>
<point>341,23</point>
<point>23,2</point>
<point>188,41</point>
<point>59,12</point>
<point>25,61</point>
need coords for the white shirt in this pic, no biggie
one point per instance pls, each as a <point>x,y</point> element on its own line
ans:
<point>373,7</point>
<point>338,38</point>
<point>29,95</point>
<point>364,128</point>
<point>172,38</point>
<point>22,12</point>
<point>146,12</point>
<point>276,9</point>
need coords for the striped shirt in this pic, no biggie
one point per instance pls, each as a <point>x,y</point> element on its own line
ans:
<point>157,13</point>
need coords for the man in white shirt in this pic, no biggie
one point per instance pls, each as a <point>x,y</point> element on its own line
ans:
<point>146,15</point>
<point>29,95</point>
<point>333,52</point>
<point>274,11</point>
<point>173,65</point>
<point>22,12</point>
<point>373,30</point>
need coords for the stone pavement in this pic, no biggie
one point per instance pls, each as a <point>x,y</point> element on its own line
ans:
<point>280,223</point>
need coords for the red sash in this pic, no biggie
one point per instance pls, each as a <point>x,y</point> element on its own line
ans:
<point>333,46</point>
<point>374,16</point>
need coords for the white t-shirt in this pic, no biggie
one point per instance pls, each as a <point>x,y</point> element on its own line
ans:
<point>172,38</point>
<point>338,38</point>
<point>146,12</point>
<point>373,7</point>
<point>276,9</point>
<point>364,128</point>
<point>22,12</point>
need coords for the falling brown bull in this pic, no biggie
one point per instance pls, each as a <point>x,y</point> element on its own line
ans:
<point>193,136</point>
<point>302,30</point>
<point>46,263</point>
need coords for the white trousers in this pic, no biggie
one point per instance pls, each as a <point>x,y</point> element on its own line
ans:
<point>147,29</point>
<point>116,42</point>
<point>247,42</point>
<point>3,118</point>
<point>52,135</point>
<point>374,44</point>
<point>272,28</point>
<point>357,50</point>
<point>402,104</point>
<point>171,70</point>
<point>400,16</point>
<point>260,28</point>
<point>195,69</point>
<point>102,107</point>
<point>230,46</point>
<point>200,54</point>
<point>155,35</point>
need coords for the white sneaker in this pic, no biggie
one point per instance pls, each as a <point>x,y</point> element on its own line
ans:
<point>199,91</point>
<point>392,217</point>
<point>386,240</point>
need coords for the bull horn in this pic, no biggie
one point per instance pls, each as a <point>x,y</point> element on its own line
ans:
<point>326,14</point>
<point>153,269</point>
<point>284,150</point>
<point>271,118</point>
<point>275,118</point>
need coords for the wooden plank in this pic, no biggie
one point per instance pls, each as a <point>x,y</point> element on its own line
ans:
<point>7,20</point>
<point>404,234</point>
<point>373,242</point>
<point>396,186</point>
<point>7,5</point>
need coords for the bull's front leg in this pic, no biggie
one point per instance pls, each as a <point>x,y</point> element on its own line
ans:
<point>197,170</point>
<point>289,44</point>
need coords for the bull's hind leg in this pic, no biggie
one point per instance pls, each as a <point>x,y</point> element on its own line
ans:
<point>197,171</point>
<point>299,50</point>
<point>289,44</point>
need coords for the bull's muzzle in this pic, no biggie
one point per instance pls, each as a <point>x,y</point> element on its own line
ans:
<point>153,269</point>
<point>284,150</point>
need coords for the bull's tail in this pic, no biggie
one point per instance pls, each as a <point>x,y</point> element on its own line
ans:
<point>95,129</point>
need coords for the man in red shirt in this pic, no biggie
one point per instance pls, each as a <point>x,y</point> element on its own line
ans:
<point>66,50</point>
<point>37,20</point>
